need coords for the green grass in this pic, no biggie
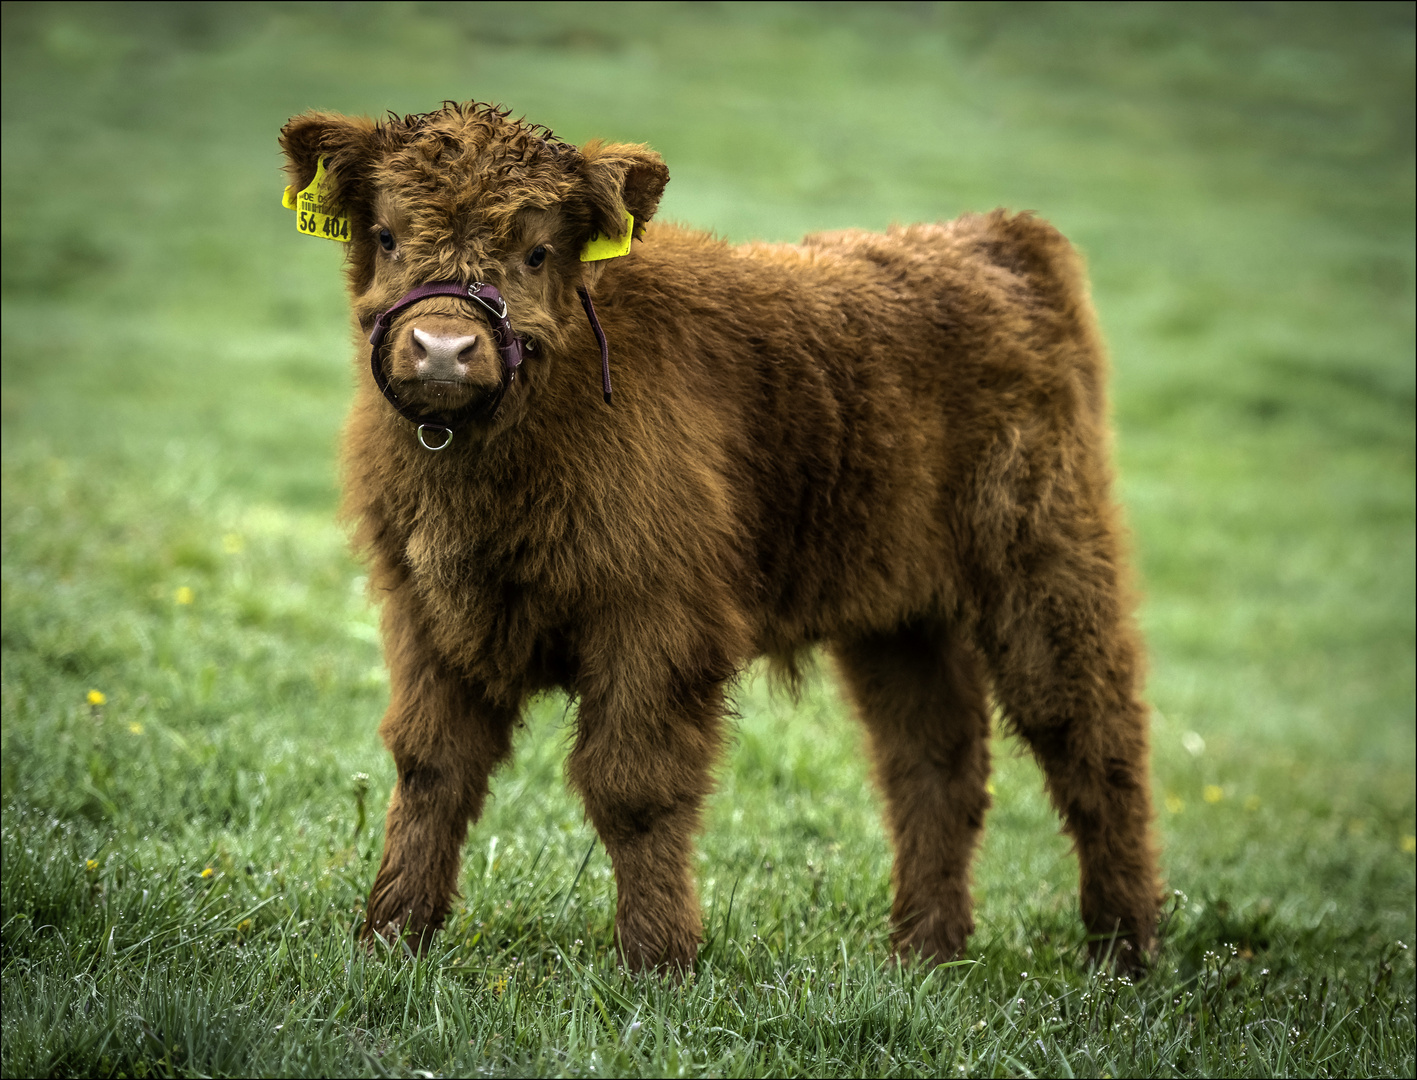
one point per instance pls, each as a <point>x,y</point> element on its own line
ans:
<point>175,370</point>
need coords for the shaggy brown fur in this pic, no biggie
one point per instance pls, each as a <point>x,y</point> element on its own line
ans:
<point>895,445</point>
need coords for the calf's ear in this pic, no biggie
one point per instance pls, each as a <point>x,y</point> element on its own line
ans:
<point>345,142</point>
<point>620,177</point>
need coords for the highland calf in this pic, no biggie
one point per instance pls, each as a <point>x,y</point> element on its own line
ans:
<point>894,446</point>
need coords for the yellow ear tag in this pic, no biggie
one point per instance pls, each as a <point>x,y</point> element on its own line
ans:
<point>314,214</point>
<point>600,246</point>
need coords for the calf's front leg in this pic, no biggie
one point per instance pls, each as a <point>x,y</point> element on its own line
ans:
<point>446,739</point>
<point>643,773</point>
<point>921,694</point>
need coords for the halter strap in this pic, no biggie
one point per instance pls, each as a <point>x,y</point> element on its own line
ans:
<point>599,340</point>
<point>509,344</point>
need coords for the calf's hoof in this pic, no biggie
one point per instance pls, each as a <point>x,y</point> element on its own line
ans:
<point>932,939</point>
<point>647,956</point>
<point>396,923</point>
<point>1123,954</point>
<point>396,933</point>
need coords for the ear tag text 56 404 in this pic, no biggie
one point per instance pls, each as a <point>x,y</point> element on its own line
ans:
<point>600,246</point>
<point>315,214</point>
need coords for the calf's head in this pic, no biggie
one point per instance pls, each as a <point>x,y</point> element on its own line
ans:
<point>465,195</point>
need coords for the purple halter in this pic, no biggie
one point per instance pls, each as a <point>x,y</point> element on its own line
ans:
<point>510,344</point>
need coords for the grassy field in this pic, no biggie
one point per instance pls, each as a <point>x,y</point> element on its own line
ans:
<point>192,788</point>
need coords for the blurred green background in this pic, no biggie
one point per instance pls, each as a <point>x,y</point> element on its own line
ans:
<point>176,365</point>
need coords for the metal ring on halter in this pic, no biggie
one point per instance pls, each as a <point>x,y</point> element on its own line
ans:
<point>435,427</point>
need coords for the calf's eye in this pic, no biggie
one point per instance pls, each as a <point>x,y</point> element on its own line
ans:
<point>537,256</point>
<point>386,240</point>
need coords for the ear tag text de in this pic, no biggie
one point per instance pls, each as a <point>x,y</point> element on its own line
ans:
<point>315,214</point>
<point>600,246</point>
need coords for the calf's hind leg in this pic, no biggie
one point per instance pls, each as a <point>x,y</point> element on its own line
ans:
<point>446,740</point>
<point>921,696</point>
<point>1066,665</point>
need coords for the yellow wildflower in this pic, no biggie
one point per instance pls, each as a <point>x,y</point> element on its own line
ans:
<point>243,926</point>
<point>1174,804</point>
<point>135,727</point>
<point>1409,844</point>
<point>1212,793</point>
<point>91,865</point>
<point>989,787</point>
<point>208,872</point>
<point>97,697</point>
<point>184,595</point>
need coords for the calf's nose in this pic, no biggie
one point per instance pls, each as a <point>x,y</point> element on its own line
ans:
<point>442,356</point>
